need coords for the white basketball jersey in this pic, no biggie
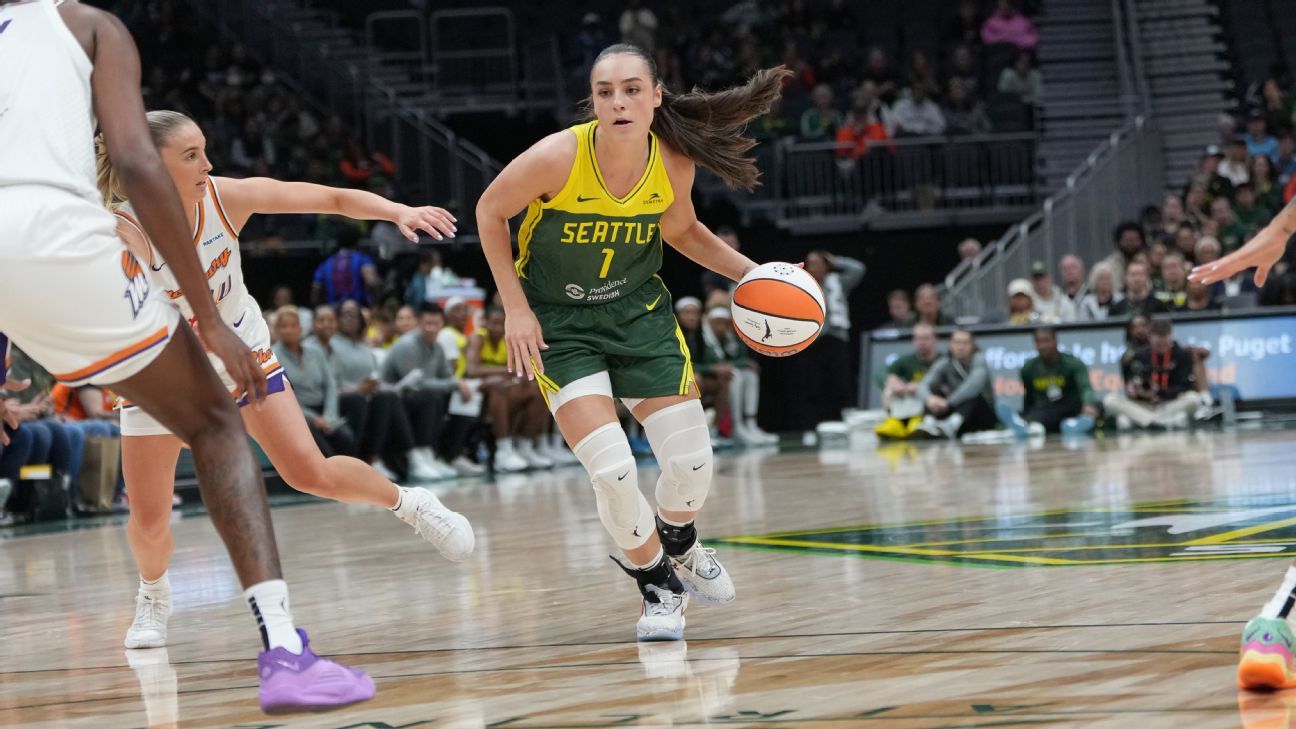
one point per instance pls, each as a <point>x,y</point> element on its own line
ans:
<point>218,252</point>
<point>45,102</point>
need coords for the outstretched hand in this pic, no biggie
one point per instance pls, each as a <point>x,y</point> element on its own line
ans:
<point>436,222</point>
<point>1261,253</point>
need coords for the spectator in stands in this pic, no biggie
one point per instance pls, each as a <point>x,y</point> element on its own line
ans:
<point>1021,303</point>
<point>1096,305</point>
<point>1173,291</point>
<point>325,327</point>
<point>1072,272</point>
<point>1268,193</point>
<point>900,310</point>
<point>916,115</point>
<point>1225,129</point>
<point>406,320</point>
<point>375,415</point>
<point>347,274</point>
<point>1023,80</point>
<point>283,296</point>
<point>826,365</point>
<point>1258,140</point>
<point>1249,214</point>
<point>864,127</point>
<point>463,423</point>
<point>928,306</point>
<point>899,383</point>
<point>1232,233</point>
<point>1139,298</point>
<point>252,153</point>
<point>1160,384</point>
<point>1009,26</point>
<point>1129,241</point>
<point>1213,185</point>
<point>517,410</point>
<point>1057,395</point>
<point>957,393</point>
<point>1185,241</point>
<point>1197,204</point>
<point>56,443</point>
<point>1285,165</point>
<point>969,248</point>
<point>367,170</point>
<point>1276,106</point>
<point>307,368</point>
<point>712,281</point>
<point>638,26</point>
<point>819,123</point>
<point>963,70</point>
<point>417,367</point>
<point>920,70</point>
<point>963,113</point>
<point>1172,216</point>
<point>1156,253</point>
<point>1051,306</point>
<point>1236,167</point>
<point>878,70</point>
<point>1199,298</point>
<point>964,29</point>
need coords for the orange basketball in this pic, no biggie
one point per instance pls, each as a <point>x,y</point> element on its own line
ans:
<point>778,309</point>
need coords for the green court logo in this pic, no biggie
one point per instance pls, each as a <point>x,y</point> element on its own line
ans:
<point>1167,531</point>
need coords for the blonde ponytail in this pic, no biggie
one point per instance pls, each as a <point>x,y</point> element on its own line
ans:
<point>162,124</point>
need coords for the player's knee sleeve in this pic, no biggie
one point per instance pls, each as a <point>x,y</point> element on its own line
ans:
<point>622,508</point>
<point>682,443</point>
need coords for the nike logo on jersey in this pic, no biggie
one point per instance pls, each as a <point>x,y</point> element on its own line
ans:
<point>240,321</point>
<point>3,26</point>
<point>157,268</point>
<point>653,305</point>
<point>585,199</point>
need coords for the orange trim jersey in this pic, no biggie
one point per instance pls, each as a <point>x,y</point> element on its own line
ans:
<point>218,252</point>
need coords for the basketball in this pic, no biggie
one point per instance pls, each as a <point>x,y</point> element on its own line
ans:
<point>778,309</point>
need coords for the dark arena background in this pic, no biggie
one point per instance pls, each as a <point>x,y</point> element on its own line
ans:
<point>1028,474</point>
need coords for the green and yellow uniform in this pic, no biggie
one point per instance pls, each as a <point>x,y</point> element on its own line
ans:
<point>588,263</point>
<point>493,354</point>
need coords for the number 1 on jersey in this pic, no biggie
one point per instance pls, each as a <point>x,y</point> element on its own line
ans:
<point>607,262</point>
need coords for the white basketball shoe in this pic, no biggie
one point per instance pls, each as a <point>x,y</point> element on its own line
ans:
<point>661,616</point>
<point>448,531</point>
<point>149,630</point>
<point>703,576</point>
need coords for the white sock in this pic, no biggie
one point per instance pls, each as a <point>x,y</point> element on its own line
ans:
<point>157,588</point>
<point>651,562</point>
<point>401,501</point>
<point>1287,592</point>
<point>269,602</point>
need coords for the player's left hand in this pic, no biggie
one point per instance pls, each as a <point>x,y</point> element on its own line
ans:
<point>1261,253</point>
<point>436,222</point>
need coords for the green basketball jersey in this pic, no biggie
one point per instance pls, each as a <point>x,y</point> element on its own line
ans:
<point>586,246</point>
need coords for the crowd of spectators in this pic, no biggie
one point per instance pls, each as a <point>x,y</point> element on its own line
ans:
<point>851,83</point>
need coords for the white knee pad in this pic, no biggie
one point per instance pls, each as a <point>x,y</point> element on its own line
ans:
<point>682,443</point>
<point>622,508</point>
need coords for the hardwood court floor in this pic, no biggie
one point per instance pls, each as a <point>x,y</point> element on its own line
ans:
<point>1099,585</point>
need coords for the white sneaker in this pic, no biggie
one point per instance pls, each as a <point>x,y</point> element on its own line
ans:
<point>448,531</point>
<point>383,470</point>
<point>930,426</point>
<point>446,471</point>
<point>661,615</point>
<point>149,630</point>
<point>465,467</point>
<point>1124,423</point>
<point>508,461</point>
<point>703,576</point>
<point>527,451</point>
<point>764,437</point>
<point>949,427</point>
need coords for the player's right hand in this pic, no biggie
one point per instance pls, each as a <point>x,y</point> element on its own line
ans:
<point>241,365</point>
<point>524,342</point>
<point>1261,252</point>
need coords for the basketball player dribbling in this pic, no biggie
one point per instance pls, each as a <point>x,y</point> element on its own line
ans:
<point>1267,659</point>
<point>588,317</point>
<point>82,306</point>
<point>217,208</point>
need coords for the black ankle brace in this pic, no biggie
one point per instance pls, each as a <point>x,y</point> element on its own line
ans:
<point>660,575</point>
<point>676,541</point>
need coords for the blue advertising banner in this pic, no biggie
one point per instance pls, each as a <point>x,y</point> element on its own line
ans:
<point>1256,354</point>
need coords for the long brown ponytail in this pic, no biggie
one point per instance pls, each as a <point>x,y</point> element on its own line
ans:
<point>161,125</point>
<point>708,128</point>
